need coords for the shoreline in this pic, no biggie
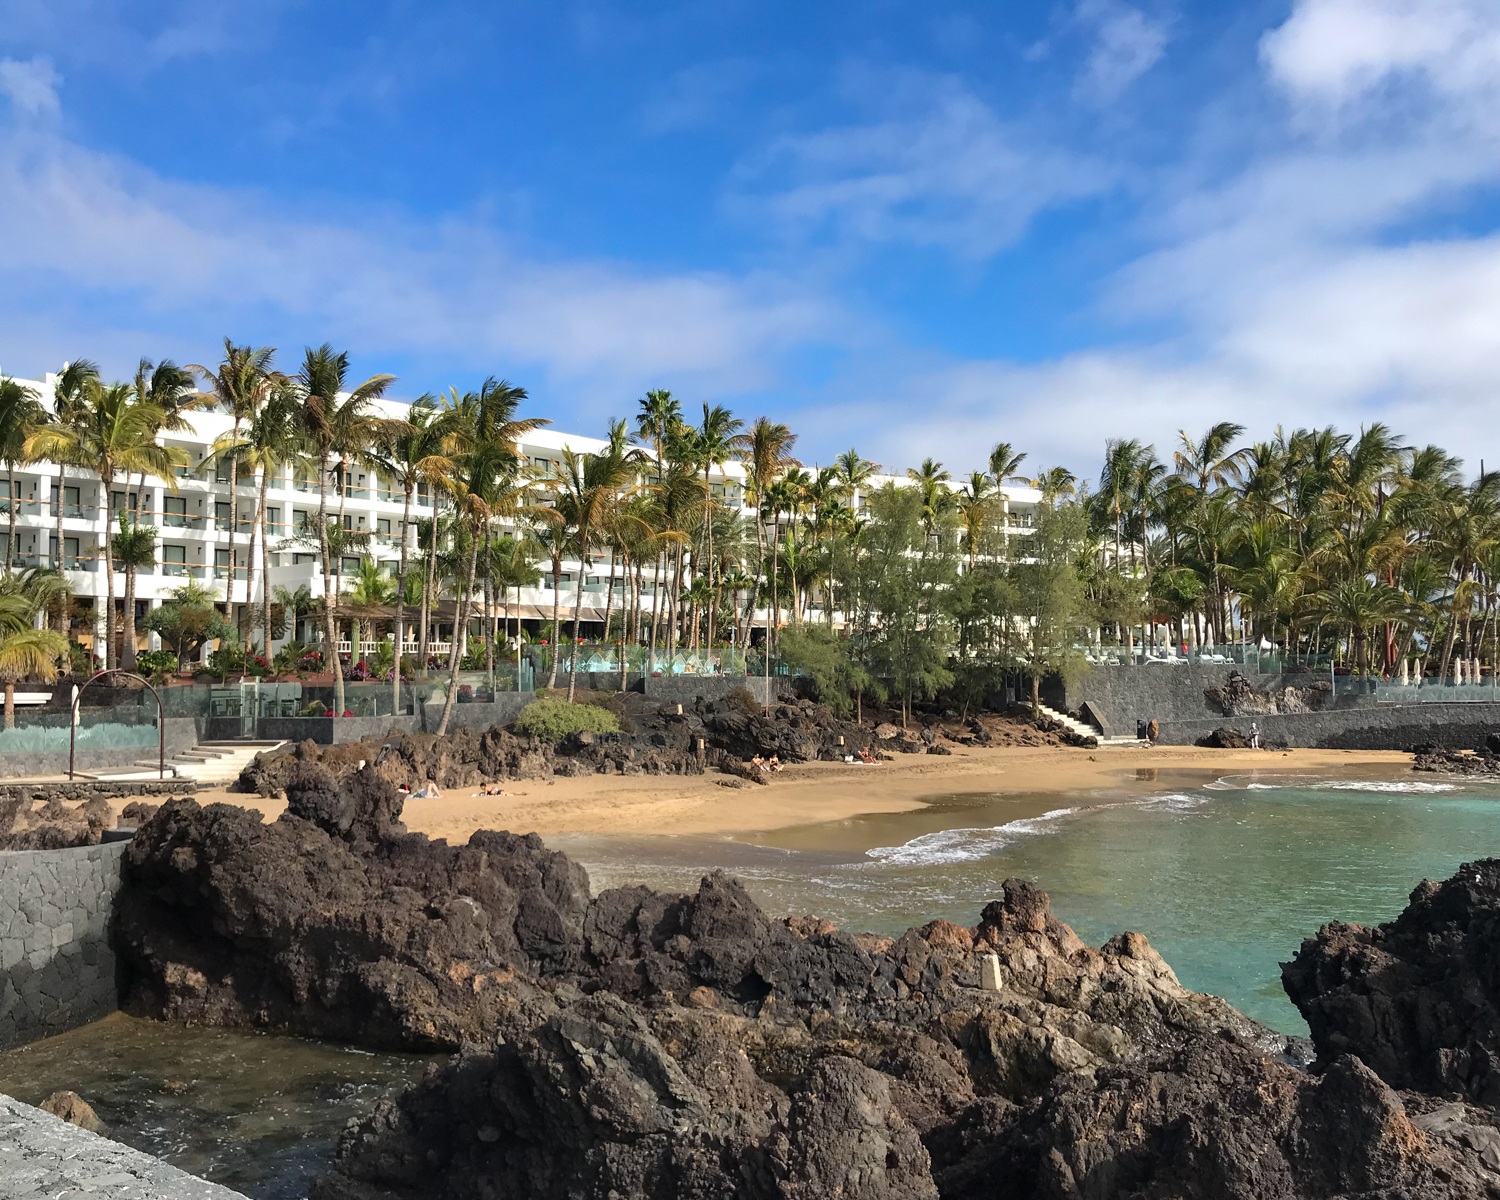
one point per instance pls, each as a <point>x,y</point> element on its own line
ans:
<point>809,795</point>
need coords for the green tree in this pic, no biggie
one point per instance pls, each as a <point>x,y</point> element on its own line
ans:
<point>334,417</point>
<point>25,650</point>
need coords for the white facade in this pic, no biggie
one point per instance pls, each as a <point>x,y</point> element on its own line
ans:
<point>193,520</point>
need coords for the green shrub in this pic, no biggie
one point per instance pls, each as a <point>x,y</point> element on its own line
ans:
<point>555,719</point>
<point>156,665</point>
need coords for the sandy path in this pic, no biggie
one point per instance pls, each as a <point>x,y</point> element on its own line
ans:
<point>818,792</point>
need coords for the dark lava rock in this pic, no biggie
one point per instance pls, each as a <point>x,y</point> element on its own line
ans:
<point>1417,999</point>
<point>342,925</point>
<point>599,1100</point>
<point>1225,738</point>
<point>655,739</point>
<point>1457,762</point>
<point>1214,1119</point>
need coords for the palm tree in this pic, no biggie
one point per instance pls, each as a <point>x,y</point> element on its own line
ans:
<point>975,504</point>
<point>372,589</point>
<point>590,486</point>
<point>134,551</point>
<point>67,400</point>
<point>21,413</point>
<point>24,649</point>
<point>717,440</point>
<point>1004,463</point>
<point>412,452</point>
<point>111,432</point>
<point>242,383</point>
<point>331,424</point>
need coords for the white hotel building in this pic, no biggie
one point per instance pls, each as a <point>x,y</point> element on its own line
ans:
<point>193,518</point>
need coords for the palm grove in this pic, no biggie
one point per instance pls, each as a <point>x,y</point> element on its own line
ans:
<point>878,589</point>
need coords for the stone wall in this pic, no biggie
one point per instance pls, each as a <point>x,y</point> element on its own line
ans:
<point>57,970</point>
<point>43,1157</point>
<point>1363,727</point>
<point>1124,695</point>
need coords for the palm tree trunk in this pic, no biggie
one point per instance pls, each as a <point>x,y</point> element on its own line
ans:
<point>257,527</point>
<point>10,541</point>
<point>401,602</point>
<point>234,476</point>
<point>424,613</point>
<point>111,659</point>
<point>489,608</point>
<point>556,618</point>
<point>583,574</point>
<point>329,635</point>
<point>265,568</point>
<point>460,616</point>
<point>655,614</point>
<point>57,555</point>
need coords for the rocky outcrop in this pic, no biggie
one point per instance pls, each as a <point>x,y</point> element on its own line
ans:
<point>52,825</point>
<point>1457,762</point>
<point>75,1110</point>
<point>1213,1119</point>
<point>639,1044</point>
<point>656,739</point>
<point>1417,999</point>
<point>332,921</point>
<point>1238,697</point>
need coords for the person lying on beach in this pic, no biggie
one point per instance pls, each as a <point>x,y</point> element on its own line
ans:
<point>867,756</point>
<point>491,789</point>
<point>428,791</point>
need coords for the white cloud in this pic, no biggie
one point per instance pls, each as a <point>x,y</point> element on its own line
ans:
<point>1127,44</point>
<point>195,262</point>
<point>1339,53</point>
<point>31,86</point>
<point>695,96</point>
<point>941,170</point>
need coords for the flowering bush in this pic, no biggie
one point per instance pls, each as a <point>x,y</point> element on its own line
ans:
<point>359,672</point>
<point>311,661</point>
<point>465,694</point>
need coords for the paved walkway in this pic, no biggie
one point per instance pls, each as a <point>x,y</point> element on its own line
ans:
<point>45,1158</point>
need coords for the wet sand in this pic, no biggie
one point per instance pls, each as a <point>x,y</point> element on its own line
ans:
<point>1028,780</point>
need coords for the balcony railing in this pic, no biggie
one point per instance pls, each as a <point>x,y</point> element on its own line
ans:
<point>182,570</point>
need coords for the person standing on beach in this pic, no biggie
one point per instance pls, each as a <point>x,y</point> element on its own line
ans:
<point>1254,735</point>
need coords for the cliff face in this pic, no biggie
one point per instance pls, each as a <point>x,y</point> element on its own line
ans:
<point>637,1044</point>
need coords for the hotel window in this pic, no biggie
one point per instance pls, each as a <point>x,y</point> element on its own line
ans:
<point>174,512</point>
<point>273,519</point>
<point>70,551</point>
<point>173,560</point>
<point>383,526</point>
<point>351,565</point>
<point>72,506</point>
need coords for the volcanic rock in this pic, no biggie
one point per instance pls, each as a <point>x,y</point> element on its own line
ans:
<point>1417,999</point>
<point>335,923</point>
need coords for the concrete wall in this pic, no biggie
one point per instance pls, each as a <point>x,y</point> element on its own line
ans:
<point>1363,727</point>
<point>43,1157</point>
<point>1125,695</point>
<point>337,731</point>
<point>57,970</point>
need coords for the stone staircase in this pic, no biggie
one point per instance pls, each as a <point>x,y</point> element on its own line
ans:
<point>207,762</point>
<point>1083,729</point>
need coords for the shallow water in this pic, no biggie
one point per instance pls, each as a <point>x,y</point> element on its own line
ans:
<point>1225,876</point>
<point>256,1113</point>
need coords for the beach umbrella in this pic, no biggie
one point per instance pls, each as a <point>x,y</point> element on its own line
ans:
<point>1458,672</point>
<point>1405,674</point>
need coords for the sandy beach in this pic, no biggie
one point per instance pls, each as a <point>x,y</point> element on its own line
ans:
<point>818,793</point>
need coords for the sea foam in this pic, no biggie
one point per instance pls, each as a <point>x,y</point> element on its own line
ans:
<point>965,844</point>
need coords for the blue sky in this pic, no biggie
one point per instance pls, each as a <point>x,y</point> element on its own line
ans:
<point>913,228</point>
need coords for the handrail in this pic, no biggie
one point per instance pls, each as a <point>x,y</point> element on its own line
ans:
<point>161,720</point>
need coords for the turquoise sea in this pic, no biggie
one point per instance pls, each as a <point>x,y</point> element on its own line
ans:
<point>1224,875</point>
